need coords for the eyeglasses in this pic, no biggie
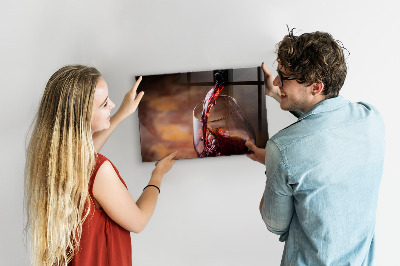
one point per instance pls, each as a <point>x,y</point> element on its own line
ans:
<point>282,78</point>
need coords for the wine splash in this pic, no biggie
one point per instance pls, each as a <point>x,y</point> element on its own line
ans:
<point>218,141</point>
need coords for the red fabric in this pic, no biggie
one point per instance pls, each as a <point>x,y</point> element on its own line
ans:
<point>103,241</point>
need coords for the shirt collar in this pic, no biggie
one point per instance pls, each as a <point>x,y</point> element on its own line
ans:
<point>325,106</point>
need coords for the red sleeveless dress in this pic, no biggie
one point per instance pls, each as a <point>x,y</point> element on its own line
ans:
<point>103,241</point>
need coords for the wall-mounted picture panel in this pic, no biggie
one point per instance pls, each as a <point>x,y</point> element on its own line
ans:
<point>202,114</point>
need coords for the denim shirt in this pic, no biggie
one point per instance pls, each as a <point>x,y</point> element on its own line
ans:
<point>323,175</point>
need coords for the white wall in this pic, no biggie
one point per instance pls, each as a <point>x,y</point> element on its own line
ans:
<point>203,218</point>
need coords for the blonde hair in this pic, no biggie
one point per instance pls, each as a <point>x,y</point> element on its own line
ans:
<point>59,162</point>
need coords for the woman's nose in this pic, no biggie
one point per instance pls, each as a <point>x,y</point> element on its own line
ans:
<point>112,105</point>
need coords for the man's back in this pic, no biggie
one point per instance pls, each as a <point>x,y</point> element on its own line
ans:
<point>329,165</point>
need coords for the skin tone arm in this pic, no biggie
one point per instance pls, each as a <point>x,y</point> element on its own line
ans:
<point>108,190</point>
<point>274,92</point>
<point>270,89</point>
<point>258,154</point>
<point>128,107</point>
<point>116,201</point>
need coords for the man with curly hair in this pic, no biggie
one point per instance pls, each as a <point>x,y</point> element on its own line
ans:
<point>323,171</point>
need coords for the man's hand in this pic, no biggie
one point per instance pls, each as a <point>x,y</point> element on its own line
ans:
<point>258,155</point>
<point>270,89</point>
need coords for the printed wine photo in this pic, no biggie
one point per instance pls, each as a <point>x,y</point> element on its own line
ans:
<point>202,114</point>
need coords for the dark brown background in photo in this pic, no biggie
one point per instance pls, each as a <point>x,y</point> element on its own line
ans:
<point>166,110</point>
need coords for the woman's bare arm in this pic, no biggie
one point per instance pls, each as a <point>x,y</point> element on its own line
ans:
<point>128,107</point>
<point>114,198</point>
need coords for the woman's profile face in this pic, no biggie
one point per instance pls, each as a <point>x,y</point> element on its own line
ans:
<point>102,106</point>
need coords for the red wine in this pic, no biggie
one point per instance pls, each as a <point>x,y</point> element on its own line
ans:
<point>218,141</point>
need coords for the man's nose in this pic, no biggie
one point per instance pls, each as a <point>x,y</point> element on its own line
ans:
<point>277,81</point>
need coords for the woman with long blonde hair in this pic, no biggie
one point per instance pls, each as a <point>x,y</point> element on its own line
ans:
<point>79,211</point>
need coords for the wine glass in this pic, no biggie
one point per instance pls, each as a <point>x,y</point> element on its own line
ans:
<point>227,129</point>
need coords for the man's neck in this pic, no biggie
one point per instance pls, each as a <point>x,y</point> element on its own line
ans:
<point>316,100</point>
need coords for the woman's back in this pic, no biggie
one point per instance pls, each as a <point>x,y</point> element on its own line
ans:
<point>64,218</point>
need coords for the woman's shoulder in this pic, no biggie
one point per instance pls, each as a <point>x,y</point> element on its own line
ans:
<point>102,165</point>
<point>100,158</point>
<point>105,167</point>
<point>99,161</point>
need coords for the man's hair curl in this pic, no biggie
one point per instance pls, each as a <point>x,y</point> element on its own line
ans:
<point>314,57</point>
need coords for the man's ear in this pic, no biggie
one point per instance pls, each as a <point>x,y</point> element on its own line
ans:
<point>317,88</point>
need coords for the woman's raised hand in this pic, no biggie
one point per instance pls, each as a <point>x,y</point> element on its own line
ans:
<point>131,101</point>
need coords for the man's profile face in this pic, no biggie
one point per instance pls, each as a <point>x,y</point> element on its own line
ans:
<point>294,96</point>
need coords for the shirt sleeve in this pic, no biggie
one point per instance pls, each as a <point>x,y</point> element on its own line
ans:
<point>277,209</point>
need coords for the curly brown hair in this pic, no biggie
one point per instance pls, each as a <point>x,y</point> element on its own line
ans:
<point>314,57</point>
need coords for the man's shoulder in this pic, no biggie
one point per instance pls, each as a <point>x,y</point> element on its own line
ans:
<point>320,123</point>
<point>288,135</point>
<point>367,113</point>
<point>367,108</point>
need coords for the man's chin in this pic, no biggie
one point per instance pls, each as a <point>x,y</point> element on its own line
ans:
<point>285,108</point>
